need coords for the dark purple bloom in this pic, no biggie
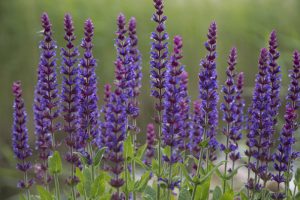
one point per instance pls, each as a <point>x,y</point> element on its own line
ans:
<point>151,138</point>
<point>104,111</point>
<point>260,123</point>
<point>275,77</point>
<point>283,157</point>
<point>136,68</point>
<point>238,123</point>
<point>208,86</point>
<point>70,94</point>
<point>47,80</point>
<point>196,134</point>
<point>229,106</point>
<point>89,113</point>
<point>159,57</point>
<point>20,144</point>
<point>294,87</point>
<point>122,45</point>
<point>172,119</point>
<point>185,111</point>
<point>45,100</point>
<point>116,122</point>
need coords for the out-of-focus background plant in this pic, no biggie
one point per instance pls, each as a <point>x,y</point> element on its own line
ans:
<point>245,24</point>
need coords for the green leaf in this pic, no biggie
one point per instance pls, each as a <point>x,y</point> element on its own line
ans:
<point>204,143</point>
<point>243,196</point>
<point>80,185</point>
<point>141,150</point>
<point>297,178</point>
<point>54,163</point>
<point>99,155</point>
<point>22,197</point>
<point>83,158</point>
<point>142,183</point>
<point>149,193</point>
<point>85,178</point>
<point>202,192</point>
<point>208,174</point>
<point>229,195</point>
<point>140,163</point>
<point>232,174</point>
<point>128,148</point>
<point>185,172</point>
<point>167,151</point>
<point>297,197</point>
<point>98,187</point>
<point>217,193</point>
<point>184,194</point>
<point>44,194</point>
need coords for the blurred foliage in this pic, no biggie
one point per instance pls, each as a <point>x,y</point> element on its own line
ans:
<point>245,24</point>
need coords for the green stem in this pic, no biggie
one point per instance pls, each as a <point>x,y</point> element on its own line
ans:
<point>159,156</point>
<point>232,177</point>
<point>170,177</point>
<point>133,162</point>
<point>225,168</point>
<point>126,180</point>
<point>197,173</point>
<point>27,189</point>
<point>57,190</point>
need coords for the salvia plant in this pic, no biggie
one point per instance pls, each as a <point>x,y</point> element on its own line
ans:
<point>194,148</point>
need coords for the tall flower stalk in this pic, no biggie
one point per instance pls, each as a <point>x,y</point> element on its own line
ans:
<point>151,139</point>
<point>70,99</point>
<point>158,63</point>
<point>20,144</point>
<point>46,102</point>
<point>172,118</point>
<point>229,108</point>
<point>260,125</point>
<point>293,102</point>
<point>89,113</point>
<point>208,95</point>
<point>136,78</point>
<point>116,127</point>
<point>208,86</point>
<point>239,122</point>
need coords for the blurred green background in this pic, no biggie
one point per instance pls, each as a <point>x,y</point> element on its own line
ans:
<point>245,24</point>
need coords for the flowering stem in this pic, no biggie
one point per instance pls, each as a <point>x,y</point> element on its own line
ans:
<point>170,176</point>
<point>126,180</point>
<point>57,190</point>
<point>233,163</point>
<point>133,162</point>
<point>27,189</point>
<point>159,153</point>
<point>226,159</point>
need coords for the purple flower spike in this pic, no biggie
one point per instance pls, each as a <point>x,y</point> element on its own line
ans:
<point>89,114</point>
<point>20,144</point>
<point>208,86</point>
<point>172,119</point>
<point>159,58</point>
<point>294,87</point>
<point>185,111</point>
<point>275,77</point>
<point>260,123</point>
<point>285,154</point>
<point>232,109</point>
<point>136,67</point>
<point>105,107</point>
<point>239,112</point>
<point>151,138</point>
<point>196,134</point>
<point>47,78</point>
<point>122,45</point>
<point>45,106</point>
<point>70,95</point>
<point>116,131</point>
